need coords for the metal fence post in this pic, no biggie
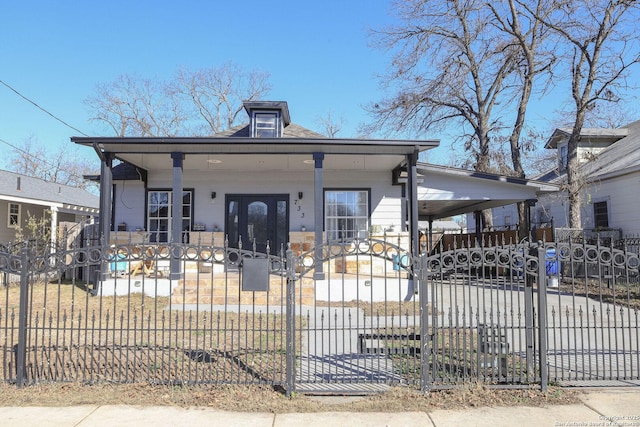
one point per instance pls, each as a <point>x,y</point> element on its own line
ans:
<point>528,309</point>
<point>542,316</point>
<point>21,351</point>
<point>291,316</point>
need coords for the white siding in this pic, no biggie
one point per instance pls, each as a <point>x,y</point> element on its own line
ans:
<point>129,199</point>
<point>385,198</point>
<point>622,204</point>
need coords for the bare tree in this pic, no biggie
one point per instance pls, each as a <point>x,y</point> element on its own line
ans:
<point>62,166</point>
<point>598,44</point>
<point>529,35</point>
<point>132,105</point>
<point>331,125</point>
<point>201,102</point>
<point>214,96</point>
<point>460,62</point>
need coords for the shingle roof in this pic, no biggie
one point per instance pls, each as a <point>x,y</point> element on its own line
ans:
<point>618,158</point>
<point>623,154</point>
<point>291,131</point>
<point>37,189</point>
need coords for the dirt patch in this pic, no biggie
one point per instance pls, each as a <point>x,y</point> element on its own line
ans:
<point>623,294</point>
<point>265,399</point>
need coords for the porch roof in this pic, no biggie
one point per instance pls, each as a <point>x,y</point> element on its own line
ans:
<point>446,191</point>
<point>255,154</point>
<point>247,145</point>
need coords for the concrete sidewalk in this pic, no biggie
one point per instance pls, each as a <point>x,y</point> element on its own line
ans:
<point>608,407</point>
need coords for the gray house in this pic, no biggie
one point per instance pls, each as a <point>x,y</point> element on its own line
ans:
<point>271,182</point>
<point>22,196</point>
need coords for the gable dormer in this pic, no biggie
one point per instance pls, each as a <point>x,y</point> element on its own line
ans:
<point>267,119</point>
<point>592,142</point>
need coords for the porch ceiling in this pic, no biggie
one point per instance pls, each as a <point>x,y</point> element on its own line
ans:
<point>264,162</point>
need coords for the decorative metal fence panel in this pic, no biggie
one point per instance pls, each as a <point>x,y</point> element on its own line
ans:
<point>358,318</point>
<point>116,315</point>
<point>593,313</point>
<point>344,317</point>
<point>483,316</point>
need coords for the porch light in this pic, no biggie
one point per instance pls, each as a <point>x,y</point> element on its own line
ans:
<point>213,195</point>
<point>300,194</point>
<point>214,161</point>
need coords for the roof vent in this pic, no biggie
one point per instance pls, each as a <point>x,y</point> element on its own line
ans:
<point>18,184</point>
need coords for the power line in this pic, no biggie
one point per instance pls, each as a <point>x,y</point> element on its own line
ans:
<point>43,109</point>
<point>51,165</point>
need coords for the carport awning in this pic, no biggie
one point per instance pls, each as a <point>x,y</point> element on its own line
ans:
<point>446,191</point>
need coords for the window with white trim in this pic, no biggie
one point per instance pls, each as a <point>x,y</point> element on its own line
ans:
<point>266,125</point>
<point>346,213</point>
<point>13,217</point>
<point>159,214</point>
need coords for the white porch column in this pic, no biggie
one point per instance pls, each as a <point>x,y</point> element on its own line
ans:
<point>54,226</point>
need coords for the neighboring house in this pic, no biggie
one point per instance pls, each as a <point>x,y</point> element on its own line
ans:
<point>610,167</point>
<point>271,182</point>
<point>23,196</point>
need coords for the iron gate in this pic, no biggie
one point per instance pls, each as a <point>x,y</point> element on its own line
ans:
<point>352,316</point>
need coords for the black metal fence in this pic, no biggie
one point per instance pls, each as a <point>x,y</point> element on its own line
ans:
<point>344,317</point>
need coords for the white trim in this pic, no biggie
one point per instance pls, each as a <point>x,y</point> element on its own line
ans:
<point>27,201</point>
<point>9,215</point>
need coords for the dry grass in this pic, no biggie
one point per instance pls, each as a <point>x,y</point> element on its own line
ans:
<point>623,294</point>
<point>265,399</point>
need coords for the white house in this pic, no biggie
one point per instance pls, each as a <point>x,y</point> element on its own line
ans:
<point>22,196</point>
<point>271,182</point>
<point>610,166</point>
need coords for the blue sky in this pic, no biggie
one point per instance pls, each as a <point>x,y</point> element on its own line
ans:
<point>55,52</point>
<point>317,53</point>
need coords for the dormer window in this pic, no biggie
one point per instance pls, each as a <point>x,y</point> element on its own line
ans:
<point>266,125</point>
<point>268,118</point>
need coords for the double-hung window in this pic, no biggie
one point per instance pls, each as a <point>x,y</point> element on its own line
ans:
<point>13,218</point>
<point>600,215</point>
<point>159,214</point>
<point>346,213</point>
<point>266,125</point>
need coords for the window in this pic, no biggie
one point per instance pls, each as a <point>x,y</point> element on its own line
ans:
<point>13,220</point>
<point>265,125</point>
<point>543,216</point>
<point>159,213</point>
<point>563,158</point>
<point>600,215</point>
<point>346,213</point>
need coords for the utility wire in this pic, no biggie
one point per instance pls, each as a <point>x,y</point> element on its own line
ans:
<point>26,153</point>
<point>43,109</point>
